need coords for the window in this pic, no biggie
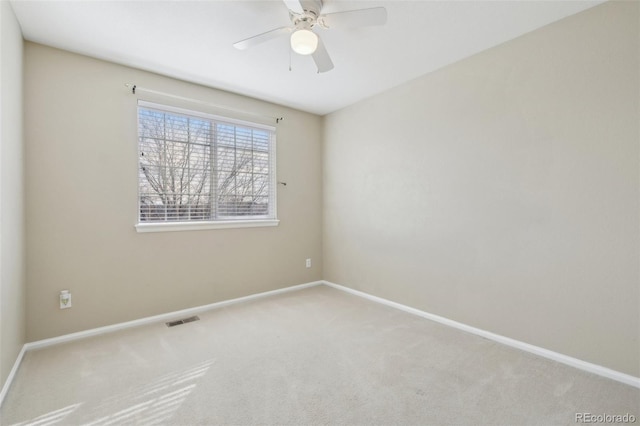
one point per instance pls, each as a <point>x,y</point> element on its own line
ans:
<point>202,171</point>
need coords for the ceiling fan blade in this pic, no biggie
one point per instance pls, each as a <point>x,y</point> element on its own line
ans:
<point>294,5</point>
<point>261,38</point>
<point>321,58</point>
<point>355,18</point>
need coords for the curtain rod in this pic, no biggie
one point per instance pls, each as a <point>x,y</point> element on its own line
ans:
<point>135,88</point>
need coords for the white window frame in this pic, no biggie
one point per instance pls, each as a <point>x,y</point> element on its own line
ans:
<point>227,222</point>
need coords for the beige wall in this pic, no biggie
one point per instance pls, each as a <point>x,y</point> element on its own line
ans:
<point>12,256</point>
<point>81,174</point>
<point>502,191</point>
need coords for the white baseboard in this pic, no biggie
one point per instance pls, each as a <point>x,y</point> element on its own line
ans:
<point>162,317</point>
<point>12,373</point>
<point>555,356</point>
<point>573,362</point>
<point>135,323</point>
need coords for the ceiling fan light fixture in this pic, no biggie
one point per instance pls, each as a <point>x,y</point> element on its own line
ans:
<point>304,42</point>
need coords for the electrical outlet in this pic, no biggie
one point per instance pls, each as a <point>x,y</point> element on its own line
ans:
<point>308,263</point>
<point>65,299</point>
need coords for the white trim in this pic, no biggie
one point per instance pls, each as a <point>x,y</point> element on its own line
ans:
<point>194,226</point>
<point>184,111</point>
<point>209,105</point>
<point>545,353</point>
<point>224,221</point>
<point>12,374</point>
<point>162,317</point>
<point>135,323</point>
<point>555,356</point>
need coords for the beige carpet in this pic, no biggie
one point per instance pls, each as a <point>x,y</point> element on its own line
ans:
<point>315,356</point>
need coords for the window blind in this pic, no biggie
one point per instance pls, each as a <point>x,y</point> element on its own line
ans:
<point>199,167</point>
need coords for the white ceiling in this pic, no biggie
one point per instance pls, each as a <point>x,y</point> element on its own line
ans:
<point>192,40</point>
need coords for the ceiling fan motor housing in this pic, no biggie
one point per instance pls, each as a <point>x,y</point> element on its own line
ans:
<point>306,20</point>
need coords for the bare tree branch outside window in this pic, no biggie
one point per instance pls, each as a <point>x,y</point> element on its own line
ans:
<point>193,168</point>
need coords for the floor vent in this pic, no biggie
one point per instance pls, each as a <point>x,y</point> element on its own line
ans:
<point>182,321</point>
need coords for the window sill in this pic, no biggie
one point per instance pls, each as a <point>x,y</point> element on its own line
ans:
<point>196,226</point>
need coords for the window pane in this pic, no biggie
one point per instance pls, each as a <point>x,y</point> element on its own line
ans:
<point>261,186</point>
<point>226,158</point>
<point>261,140</point>
<point>151,207</point>
<point>225,135</point>
<point>176,128</point>
<point>261,162</point>
<point>243,138</point>
<point>194,168</point>
<point>200,131</point>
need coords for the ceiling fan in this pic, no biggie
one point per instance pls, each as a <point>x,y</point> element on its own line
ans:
<point>306,15</point>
